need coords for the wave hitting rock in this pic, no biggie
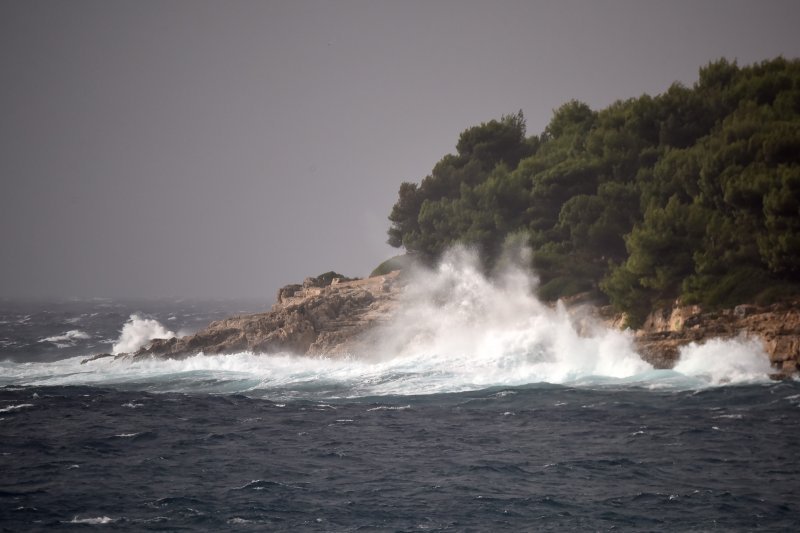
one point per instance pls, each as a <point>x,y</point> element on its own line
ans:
<point>334,316</point>
<point>321,316</point>
<point>777,326</point>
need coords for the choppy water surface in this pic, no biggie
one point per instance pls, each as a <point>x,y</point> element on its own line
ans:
<point>535,458</point>
<point>477,409</point>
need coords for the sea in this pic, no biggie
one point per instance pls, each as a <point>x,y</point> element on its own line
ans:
<point>496,414</point>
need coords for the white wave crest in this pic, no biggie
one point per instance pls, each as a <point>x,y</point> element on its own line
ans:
<point>137,332</point>
<point>67,338</point>
<point>11,408</point>
<point>97,520</point>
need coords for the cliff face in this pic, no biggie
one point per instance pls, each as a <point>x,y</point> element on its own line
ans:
<point>321,316</point>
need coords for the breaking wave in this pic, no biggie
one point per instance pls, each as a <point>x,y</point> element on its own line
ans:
<point>137,332</point>
<point>457,329</point>
<point>725,361</point>
<point>66,339</point>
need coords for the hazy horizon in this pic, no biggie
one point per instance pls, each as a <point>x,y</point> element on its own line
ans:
<point>197,149</point>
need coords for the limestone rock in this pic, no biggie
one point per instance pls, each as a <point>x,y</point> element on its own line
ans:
<point>777,325</point>
<point>287,292</point>
<point>741,311</point>
<point>330,315</point>
<point>318,317</point>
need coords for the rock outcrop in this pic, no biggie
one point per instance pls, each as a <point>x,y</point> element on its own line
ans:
<point>325,315</point>
<point>778,326</point>
<point>331,315</point>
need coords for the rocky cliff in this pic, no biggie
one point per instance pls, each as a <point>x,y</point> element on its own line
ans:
<point>330,315</point>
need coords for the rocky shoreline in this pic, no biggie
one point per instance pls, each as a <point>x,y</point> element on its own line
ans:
<point>324,315</point>
<point>777,326</point>
<point>333,315</point>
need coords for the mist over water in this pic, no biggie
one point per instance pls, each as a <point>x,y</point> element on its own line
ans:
<point>456,329</point>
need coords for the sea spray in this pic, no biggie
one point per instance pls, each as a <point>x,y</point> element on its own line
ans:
<point>490,331</point>
<point>721,361</point>
<point>454,329</point>
<point>137,332</point>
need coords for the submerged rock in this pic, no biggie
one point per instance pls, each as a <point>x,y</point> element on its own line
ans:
<point>96,357</point>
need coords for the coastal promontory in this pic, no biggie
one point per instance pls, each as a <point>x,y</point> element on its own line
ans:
<point>331,317</point>
<point>325,315</point>
<point>677,215</point>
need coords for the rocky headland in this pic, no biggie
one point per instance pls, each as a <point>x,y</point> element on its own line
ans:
<point>333,315</point>
<point>325,315</point>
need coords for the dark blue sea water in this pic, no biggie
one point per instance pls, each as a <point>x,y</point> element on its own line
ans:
<point>261,443</point>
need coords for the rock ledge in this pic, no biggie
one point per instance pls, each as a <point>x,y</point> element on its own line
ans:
<point>324,315</point>
<point>332,315</point>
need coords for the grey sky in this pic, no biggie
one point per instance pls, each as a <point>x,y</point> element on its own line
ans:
<point>213,149</point>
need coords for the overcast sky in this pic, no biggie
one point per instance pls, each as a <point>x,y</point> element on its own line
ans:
<point>222,149</point>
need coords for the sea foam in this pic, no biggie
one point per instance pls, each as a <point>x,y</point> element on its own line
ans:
<point>455,329</point>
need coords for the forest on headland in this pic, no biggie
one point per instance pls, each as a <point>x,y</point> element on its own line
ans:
<point>693,194</point>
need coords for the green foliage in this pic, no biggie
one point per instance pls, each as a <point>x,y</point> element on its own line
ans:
<point>572,116</point>
<point>561,287</point>
<point>398,262</point>
<point>692,194</point>
<point>432,216</point>
<point>779,245</point>
<point>327,277</point>
<point>495,142</point>
<point>628,295</point>
<point>734,286</point>
<point>404,216</point>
